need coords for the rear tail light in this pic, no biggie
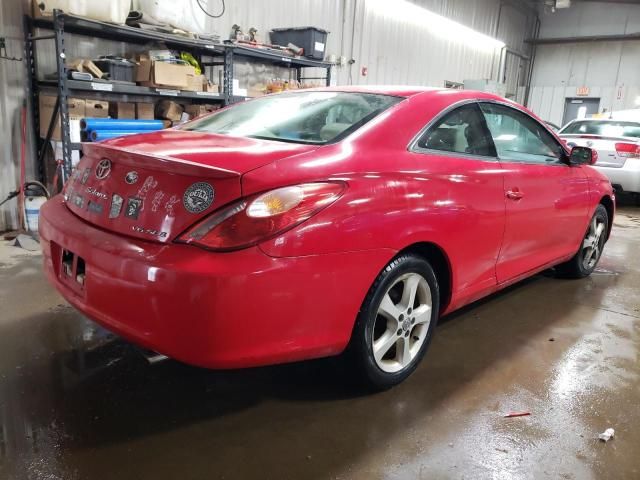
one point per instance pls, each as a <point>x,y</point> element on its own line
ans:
<point>628,149</point>
<point>263,216</point>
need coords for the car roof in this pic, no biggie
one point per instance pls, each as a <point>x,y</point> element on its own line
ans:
<point>410,91</point>
<point>396,90</point>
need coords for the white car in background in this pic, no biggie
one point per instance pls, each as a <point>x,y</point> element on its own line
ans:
<point>618,145</point>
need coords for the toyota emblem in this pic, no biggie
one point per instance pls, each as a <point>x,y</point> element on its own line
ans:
<point>103,169</point>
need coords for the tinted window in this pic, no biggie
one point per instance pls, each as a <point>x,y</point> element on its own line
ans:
<point>607,129</point>
<point>462,131</point>
<point>518,137</point>
<point>301,117</point>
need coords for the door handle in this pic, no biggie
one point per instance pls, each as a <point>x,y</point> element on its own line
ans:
<point>514,194</point>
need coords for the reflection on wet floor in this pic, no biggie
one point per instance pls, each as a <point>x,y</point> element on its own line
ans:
<point>76,403</point>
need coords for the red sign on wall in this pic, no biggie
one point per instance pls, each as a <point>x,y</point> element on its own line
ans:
<point>582,91</point>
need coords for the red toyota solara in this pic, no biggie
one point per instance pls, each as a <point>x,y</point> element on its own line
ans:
<point>305,224</point>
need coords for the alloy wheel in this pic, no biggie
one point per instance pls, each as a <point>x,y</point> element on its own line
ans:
<point>402,322</point>
<point>593,243</point>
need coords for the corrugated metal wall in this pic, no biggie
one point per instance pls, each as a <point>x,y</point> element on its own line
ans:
<point>611,70</point>
<point>12,79</point>
<point>394,50</point>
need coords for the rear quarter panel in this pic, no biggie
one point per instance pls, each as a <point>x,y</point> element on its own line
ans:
<point>397,198</point>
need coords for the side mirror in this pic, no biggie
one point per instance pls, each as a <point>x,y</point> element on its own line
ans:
<point>583,156</point>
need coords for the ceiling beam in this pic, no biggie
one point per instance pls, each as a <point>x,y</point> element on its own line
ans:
<point>583,39</point>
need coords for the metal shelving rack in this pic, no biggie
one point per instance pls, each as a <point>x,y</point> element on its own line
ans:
<point>222,55</point>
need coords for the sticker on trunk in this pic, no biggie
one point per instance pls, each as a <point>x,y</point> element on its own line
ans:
<point>85,175</point>
<point>131,177</point>
<point>68,195</point>
<point>134,205</point>
<point>94,207</point>
<point>198,197</point>
<point>78,201</point>
<point>149,184</point>
<point>169,205</point>
<point>157,199</point>
<point>116,205</point>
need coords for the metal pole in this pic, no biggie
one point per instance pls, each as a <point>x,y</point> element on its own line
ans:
<point>63,94</point>
<point>31,90</point>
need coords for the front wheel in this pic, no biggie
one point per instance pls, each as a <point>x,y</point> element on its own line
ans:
<point>395,323</point>
<point>584,262</point>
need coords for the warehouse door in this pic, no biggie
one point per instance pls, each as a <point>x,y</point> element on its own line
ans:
<point>579,108</point>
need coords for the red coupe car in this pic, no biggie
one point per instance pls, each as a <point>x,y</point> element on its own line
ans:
<point>304,224</point>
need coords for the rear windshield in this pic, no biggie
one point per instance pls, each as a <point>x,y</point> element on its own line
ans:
<point>605,129</point>
<point>301,117</point>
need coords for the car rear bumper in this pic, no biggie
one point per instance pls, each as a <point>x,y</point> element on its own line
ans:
<point>217,310</point>
<point>626,178</point>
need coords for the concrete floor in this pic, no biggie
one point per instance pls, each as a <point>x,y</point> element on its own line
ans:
<point>74,407</point>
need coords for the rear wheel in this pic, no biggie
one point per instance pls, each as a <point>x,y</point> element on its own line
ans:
<point>584,262</point>
<point>395,323</point>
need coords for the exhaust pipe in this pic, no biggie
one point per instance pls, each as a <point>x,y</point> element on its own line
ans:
<point>152,357</point>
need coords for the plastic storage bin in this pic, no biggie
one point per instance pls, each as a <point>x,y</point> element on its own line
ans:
<point>118,68</point>
<point>312,39</point>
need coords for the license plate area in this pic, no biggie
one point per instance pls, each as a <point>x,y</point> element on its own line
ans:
<point>72,269</point>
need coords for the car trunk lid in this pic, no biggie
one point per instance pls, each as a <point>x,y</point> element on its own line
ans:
<point>154,186</point>
<point>608,156</point>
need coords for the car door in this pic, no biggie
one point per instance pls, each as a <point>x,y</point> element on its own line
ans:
<point>546,199</point>
<point>465,180</point>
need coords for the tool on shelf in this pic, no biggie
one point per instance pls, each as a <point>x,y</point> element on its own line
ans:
<point>3,51</point>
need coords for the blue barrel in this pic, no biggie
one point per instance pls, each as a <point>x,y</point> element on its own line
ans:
<point>119,125</point>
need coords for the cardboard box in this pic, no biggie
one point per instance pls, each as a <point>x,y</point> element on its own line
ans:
<point>209,87</point>
<point>195,83</point>
<point>92,68</point>
<point>122,110</point>
<point>96,109</point>
<point>145,111</point>
<point>76,107</point>
<point>256,92</point>
<point>195,111</point>
<point>169,110</point>
<point>163,74</point>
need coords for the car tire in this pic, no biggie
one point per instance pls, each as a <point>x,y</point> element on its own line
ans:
<point>395,319</point>
<point>586,259</point>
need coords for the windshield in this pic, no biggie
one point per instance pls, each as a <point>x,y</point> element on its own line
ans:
<point>604,128</point>
<point>301,117</point>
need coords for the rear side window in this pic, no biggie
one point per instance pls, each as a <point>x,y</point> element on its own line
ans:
<point>461,131</point>
<point>605,129</point>
<point>518,137</point>
<point>303,117</point>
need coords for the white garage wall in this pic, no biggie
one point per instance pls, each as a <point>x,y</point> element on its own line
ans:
<point>611,69</point>
<point>394,51</point>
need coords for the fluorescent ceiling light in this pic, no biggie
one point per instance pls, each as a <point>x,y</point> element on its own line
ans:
<point>405,11</point>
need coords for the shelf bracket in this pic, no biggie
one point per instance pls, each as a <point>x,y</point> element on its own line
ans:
<point>228,76</point>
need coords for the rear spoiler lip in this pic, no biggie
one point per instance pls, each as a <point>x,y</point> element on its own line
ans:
<point>599,137</point>
<point>136,158</point>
